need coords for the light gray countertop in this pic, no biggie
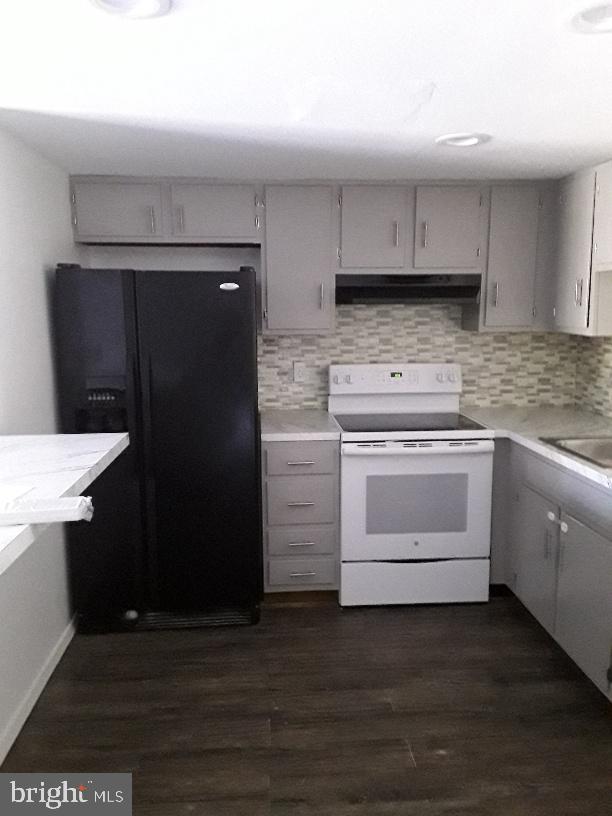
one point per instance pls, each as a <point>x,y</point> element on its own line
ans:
<point>50,466</point>
<point>526,425</point>
<point>293,425</point>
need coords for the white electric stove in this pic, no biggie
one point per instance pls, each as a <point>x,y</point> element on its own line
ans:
<point>416,478</point>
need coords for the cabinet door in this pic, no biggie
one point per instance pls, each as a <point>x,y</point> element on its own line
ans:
<point>119,210</point>
<point>584,602</point>
<point>373,230</point>
<point>536,555</point>
<point>574,251</point>
<point>602,224</point>
<point>448,227</point>
<point>299,259</point>
<point>214,212</point>
<point>513,243</point>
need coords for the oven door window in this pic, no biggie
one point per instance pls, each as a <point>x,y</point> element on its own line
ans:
<point>423,503</point>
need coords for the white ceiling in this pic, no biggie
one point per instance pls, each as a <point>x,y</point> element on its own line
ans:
<point>320,89</point>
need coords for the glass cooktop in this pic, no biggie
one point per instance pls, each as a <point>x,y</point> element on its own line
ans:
<point>369,423</point>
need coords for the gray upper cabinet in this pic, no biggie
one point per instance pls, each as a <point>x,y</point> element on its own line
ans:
<point>102,211</point>
<point>299,260</point>
<point>602,222</point>
<point>214,212</point>
<point>511,268</point>
<point>373,231</point>
<point>448,227</point>
<point>576,201</point>
<point>583,285</point>
<point>120,210</point>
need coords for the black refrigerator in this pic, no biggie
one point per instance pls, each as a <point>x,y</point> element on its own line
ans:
<point>171,358</point>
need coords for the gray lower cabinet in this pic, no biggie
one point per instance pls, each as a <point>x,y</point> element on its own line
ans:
<point>300,503</point>
<point>300,259</point>
<point>584,600</point>
<point>562,572</point>
<point>535,567</point>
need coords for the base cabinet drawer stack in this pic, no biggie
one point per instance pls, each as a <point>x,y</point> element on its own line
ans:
<point>300,501</point>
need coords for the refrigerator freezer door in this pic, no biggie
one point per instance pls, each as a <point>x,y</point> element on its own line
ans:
<point>198,363</point>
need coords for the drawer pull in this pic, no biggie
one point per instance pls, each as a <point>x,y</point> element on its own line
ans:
<point>301,574</point>
<point>300,504</point>
<point>301,543</point>
<point>292,464</point>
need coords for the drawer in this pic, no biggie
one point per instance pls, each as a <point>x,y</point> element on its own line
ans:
<point>416,582</point>
<point>308,540</point>
<point>295,458</point>
<point>298,571</point>
<point>301,499</point>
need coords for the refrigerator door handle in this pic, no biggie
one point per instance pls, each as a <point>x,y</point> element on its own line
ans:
<point>149,468</point>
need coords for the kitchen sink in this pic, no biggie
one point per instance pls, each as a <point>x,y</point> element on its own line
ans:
<point>596,449</point>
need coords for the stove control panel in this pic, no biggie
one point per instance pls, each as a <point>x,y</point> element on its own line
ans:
<point>402,378</point>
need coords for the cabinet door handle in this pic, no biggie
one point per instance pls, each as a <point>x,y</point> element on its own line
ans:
<point>180,214</point>
<point>152,223</point>
<point>576,292</point>
<point>305,462</point>
<point>301,543</point>
<point>580,290</point>
<point>300,504</point>
<point>547,545</point>
<point>551,516</point>
<point>301,574</point>
<point>396,233</point>
<point>564,527</point>
<point>496,293</point>
<point>425,234</point>
<point>321,296</point>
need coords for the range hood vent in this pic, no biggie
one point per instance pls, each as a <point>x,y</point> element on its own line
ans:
<point>407,288</point>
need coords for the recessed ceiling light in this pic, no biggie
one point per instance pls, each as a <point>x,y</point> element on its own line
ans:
<point>595,20</point>
<point>135,9</point>
<point>463,139</point>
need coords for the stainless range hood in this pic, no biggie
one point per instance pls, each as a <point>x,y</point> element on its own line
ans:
<point>407,288</point>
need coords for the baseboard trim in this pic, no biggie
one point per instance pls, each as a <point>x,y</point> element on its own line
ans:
<point>17,721</point>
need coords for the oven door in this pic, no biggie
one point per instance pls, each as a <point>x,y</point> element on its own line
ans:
<point>416,500</point>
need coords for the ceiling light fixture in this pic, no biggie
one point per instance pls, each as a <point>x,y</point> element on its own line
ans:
<point>463,139</point>
<point>595,20</point>
<point>134,9</point>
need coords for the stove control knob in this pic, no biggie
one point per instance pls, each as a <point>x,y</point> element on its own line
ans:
<point>451,376</point>
<point>440,376</point>
<point>347,379</point>
<point>336,379</point>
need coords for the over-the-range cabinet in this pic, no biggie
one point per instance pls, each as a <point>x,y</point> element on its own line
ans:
<point>171,358</point>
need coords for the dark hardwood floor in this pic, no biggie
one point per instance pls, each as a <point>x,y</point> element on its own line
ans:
<point>418,711</point>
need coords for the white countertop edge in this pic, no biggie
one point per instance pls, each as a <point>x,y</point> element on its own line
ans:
<point>574,464</point>
<point>306,436</point>
<point>25,535</point>
<point>302,424</point>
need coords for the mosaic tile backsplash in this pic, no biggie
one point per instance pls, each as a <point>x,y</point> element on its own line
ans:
<point>594,374</point>
<point>522,369</point>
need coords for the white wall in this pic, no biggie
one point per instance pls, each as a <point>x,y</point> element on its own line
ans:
<point>34,234</point>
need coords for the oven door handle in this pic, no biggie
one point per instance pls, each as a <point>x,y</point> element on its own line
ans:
<point>482,446</point>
